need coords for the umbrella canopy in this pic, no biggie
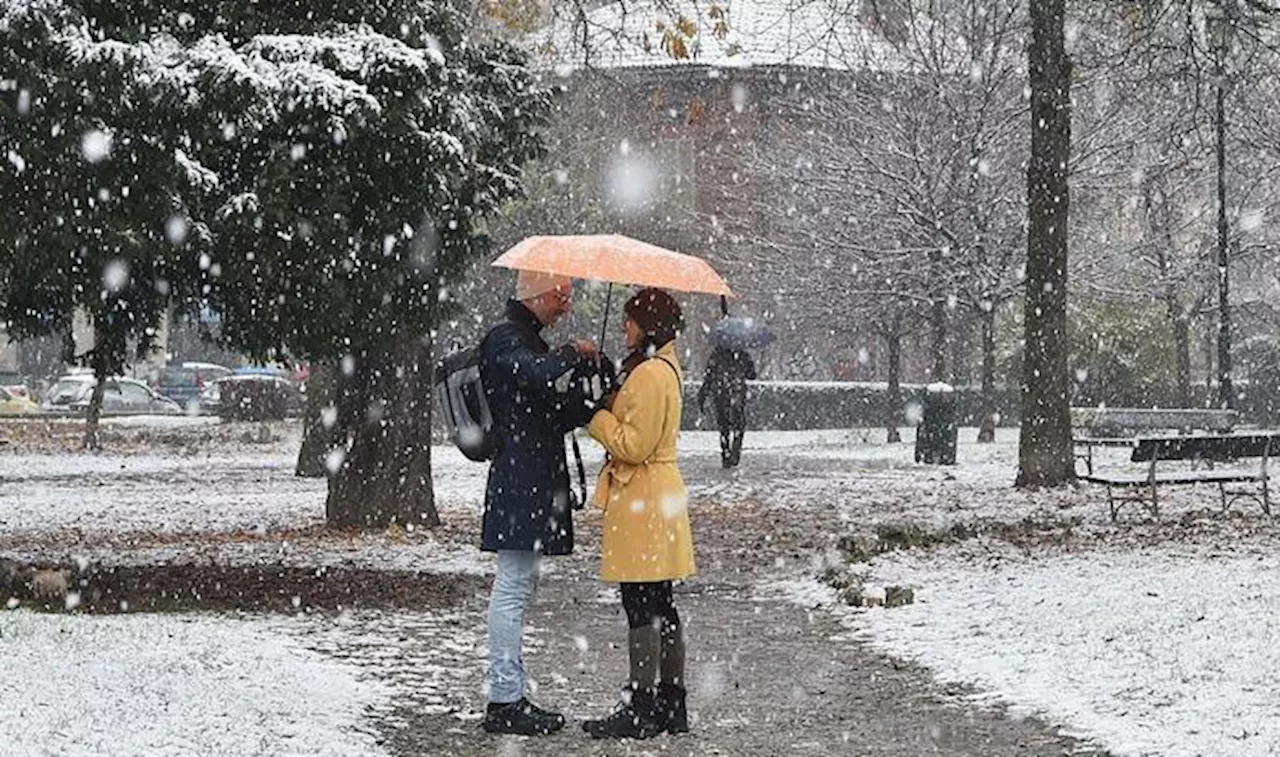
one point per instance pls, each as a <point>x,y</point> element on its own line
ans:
<point>740,334</point>
<point>615,259</point>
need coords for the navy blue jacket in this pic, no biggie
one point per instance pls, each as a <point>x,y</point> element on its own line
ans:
<point>535,400</point>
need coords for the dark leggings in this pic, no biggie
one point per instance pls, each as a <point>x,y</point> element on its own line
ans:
<point>650,604</point>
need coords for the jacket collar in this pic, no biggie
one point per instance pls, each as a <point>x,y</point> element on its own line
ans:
<point>520,315</point>
<point>668,352</point>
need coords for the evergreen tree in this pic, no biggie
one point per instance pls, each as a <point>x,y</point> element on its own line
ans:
<point>93,185</point>
<point>315,173</point>
<point>341,217</point>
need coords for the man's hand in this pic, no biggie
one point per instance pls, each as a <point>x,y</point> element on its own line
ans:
<point>585,347</point>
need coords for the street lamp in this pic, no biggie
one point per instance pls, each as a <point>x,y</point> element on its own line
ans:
<point>1218,28</point>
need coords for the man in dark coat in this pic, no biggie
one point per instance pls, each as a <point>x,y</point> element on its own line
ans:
<point>728,372</point>
<point>535,398</point>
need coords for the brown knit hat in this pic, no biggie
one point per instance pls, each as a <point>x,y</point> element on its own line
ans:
<point>657,314</point>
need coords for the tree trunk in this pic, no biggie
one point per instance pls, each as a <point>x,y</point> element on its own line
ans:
<point>1182,350</point>
<point>1160,218</point>
<point>937,318</point>
<point>1226,395</point>
<point>1210,367</point>
<point>893,402</point>
<point>386,407</point>
<point>98,360</point>
<point>319,437</point>
<point>987,425</point>
<point>1045,453</point>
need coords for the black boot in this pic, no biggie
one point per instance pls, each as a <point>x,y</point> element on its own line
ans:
<point>671,693</point>
<point>523,718</point>
<point>671,701</point>
<point>638,716</point>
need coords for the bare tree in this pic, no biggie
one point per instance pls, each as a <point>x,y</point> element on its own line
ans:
<point>1143,174</point>
<point>910,174</point>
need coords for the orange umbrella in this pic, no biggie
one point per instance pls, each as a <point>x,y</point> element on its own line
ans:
<point>615,259</point>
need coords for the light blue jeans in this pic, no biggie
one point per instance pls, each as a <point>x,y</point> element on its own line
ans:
<point>513,588</point>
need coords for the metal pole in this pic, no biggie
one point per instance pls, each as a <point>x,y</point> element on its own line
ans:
<point>1226,397</point>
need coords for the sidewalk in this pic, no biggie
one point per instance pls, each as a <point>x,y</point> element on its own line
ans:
<point>765,678</point>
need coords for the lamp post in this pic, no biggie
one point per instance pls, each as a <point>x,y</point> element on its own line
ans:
<point>1218,29</point>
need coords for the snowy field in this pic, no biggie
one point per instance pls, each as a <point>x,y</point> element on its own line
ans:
<point>1171,651</point>
<point>173,685</point>
<point>1149,639</point>
<point>1146,638</point>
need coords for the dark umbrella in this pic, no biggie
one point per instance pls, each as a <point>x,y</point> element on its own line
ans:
<point>737,333</point>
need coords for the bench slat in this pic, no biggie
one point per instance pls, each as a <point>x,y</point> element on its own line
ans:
<point>1119,419</point>
<point>1173,477</point>
<point>1219,447</point>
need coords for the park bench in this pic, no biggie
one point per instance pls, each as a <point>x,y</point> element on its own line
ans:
<point>1201,450</point>
<point>1118,426</point>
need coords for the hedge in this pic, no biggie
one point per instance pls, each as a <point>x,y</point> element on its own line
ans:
<point>800,405</point>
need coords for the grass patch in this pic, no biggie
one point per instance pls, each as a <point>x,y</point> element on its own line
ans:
<point>256,588</point>
<point>894,536</point>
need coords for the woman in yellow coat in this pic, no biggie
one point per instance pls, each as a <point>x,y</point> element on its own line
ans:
<point>646,543</point>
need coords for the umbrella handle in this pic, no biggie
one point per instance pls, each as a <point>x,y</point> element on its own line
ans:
<point>724,305</point>
<point>608,300</point>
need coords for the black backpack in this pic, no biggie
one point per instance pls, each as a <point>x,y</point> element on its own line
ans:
<point>465,406</point>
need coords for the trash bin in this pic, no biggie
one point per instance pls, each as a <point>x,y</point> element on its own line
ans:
<point>936,434</point>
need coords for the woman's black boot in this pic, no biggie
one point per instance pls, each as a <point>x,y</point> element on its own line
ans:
<point>638,716</point>
<point>671,700</point>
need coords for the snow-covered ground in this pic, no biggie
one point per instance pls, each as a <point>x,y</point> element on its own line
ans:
<point>161,685</point>
<point>1150,639</point>
<point>1169,651</point>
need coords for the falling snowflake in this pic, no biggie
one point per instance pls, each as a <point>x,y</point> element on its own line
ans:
<point>95,146</point>
<point>115,276</point>
<point>176,229</point>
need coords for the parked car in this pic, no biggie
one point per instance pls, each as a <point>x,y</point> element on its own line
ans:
<point>184,382</point>
<point>252,396</point>
<point>121,396</point>
<point>12,404</point>
<point>14,384</point>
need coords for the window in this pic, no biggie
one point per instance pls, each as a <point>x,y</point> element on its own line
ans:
<point>67,391</point>
<point>133,394</point>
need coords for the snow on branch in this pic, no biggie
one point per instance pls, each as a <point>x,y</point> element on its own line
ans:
<point>197,174</point>
<point>359,52</point>
<point>241,204</point>
<point>314,86</point>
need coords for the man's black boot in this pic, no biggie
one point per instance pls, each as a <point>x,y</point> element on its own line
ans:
<point>522,717</point>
